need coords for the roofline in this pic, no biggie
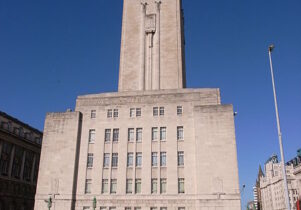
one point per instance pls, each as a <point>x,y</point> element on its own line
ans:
<point>20,122</point>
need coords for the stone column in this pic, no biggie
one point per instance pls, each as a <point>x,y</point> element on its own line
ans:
<point>23,163</point>
<point>33,167</point>
<point>142,47</point>
<point>11,161</point>
<point>156,69</point>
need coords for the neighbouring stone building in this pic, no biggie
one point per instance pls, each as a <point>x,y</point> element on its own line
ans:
<point>272,186</point>
<point>20,147</point>
<point>154,144</point>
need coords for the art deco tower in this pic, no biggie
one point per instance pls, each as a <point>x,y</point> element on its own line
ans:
<point>154,144</point>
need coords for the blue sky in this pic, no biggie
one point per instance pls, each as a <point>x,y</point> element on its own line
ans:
<point>53,51</point>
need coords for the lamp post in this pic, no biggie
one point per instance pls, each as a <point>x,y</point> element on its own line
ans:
<point>94,203</point>
<point>288,206</point>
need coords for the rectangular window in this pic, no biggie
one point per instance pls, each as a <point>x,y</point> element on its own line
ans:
<point>105,184</point>
<point>107,135</point>
<point>154,185</point>
<point>138,159</point>
<point>179,110</point>
<point>88,186</point>
<point>112,208</point>
<point>115,113</point>
<point>129,184</point>
<point>106,160</point>
<point>137,208</point>
<point>163,186</point>
<point>28,165</point>
<point>127,208</point>
<point>163,159</point>
<point>115,134</point>
<point>139,134</point>
<point>180,133</point>
<point>163,208</point>
<point>181,158</point>
<point>153,208</point>
<point>154,134</point>
<point>131,134</point>
<point>113,186</point>
<point>86,208</point>
<point>181,208</point>
<point>161,111</point>
<point>114,159</point>
<point>93,114</point>
<point>163,133</point>
<point>132,112</point>
<point>103,208</point>
<point>92,135</point>
<point>109,113</point>
<point>17,162</point>
<point>138,186</point>
<point>138,112</point>
<point>154,159</point>
<point>90,160</point>
<point>181,185</point>
<point>155,111</point>
<point>130,159</point>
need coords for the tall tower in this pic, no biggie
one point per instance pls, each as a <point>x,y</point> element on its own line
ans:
<point>152,45</point>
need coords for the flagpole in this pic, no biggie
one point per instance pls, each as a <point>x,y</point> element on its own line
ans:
<point>288,206</point>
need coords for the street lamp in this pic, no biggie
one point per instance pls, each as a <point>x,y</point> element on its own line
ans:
<point>288,206</point>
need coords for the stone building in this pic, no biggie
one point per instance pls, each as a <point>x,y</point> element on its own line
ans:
<point>272,186</point>
<point>20,147</point>
<point>154,144</point>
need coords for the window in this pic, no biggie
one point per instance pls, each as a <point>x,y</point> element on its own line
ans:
<point>107,135</point>
<point>155,111</point>
<point>163,159</point>
<point>139,134</point>
<point>154,159</point>
<point>109,113</point>
<point>138,186</point>
<point>28,165</point>
<point>129,184</point>
<point>181,184</point>
<point>163,133</point>
<point>131,134</point>
<point>86,208</point>
<point>163,208</point>
<point>180,158</point>
<point>138,159</point>
<point>115,134</point>
<point>106,160</point>
<point>90,160</point>
<point>105,184</point>
<point>154,185</point>
<point>127,208</point>
<point>92,136</point>
<point>113,186</point>
<point>17,162</point>
<point>114,159</point>
<point>163,186</point>
<point>132,112</point>
<point>93,114</point>
<point>181,208</point>
<point>161,111</point>
<point>154,134</point>
<point>180,133</point>
<point>88,186</point>
<point>138,112</point>
<point>112,208</point>
<point>153,208</point>
<point>137,208</point>
<point>115,113</point>
<point>130,159</point>
<point>179,110</point>
<point>103,208</point>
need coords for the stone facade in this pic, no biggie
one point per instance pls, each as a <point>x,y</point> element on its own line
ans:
<point>272,186</point>
<point>20,147</point>
<point>152,145</point>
